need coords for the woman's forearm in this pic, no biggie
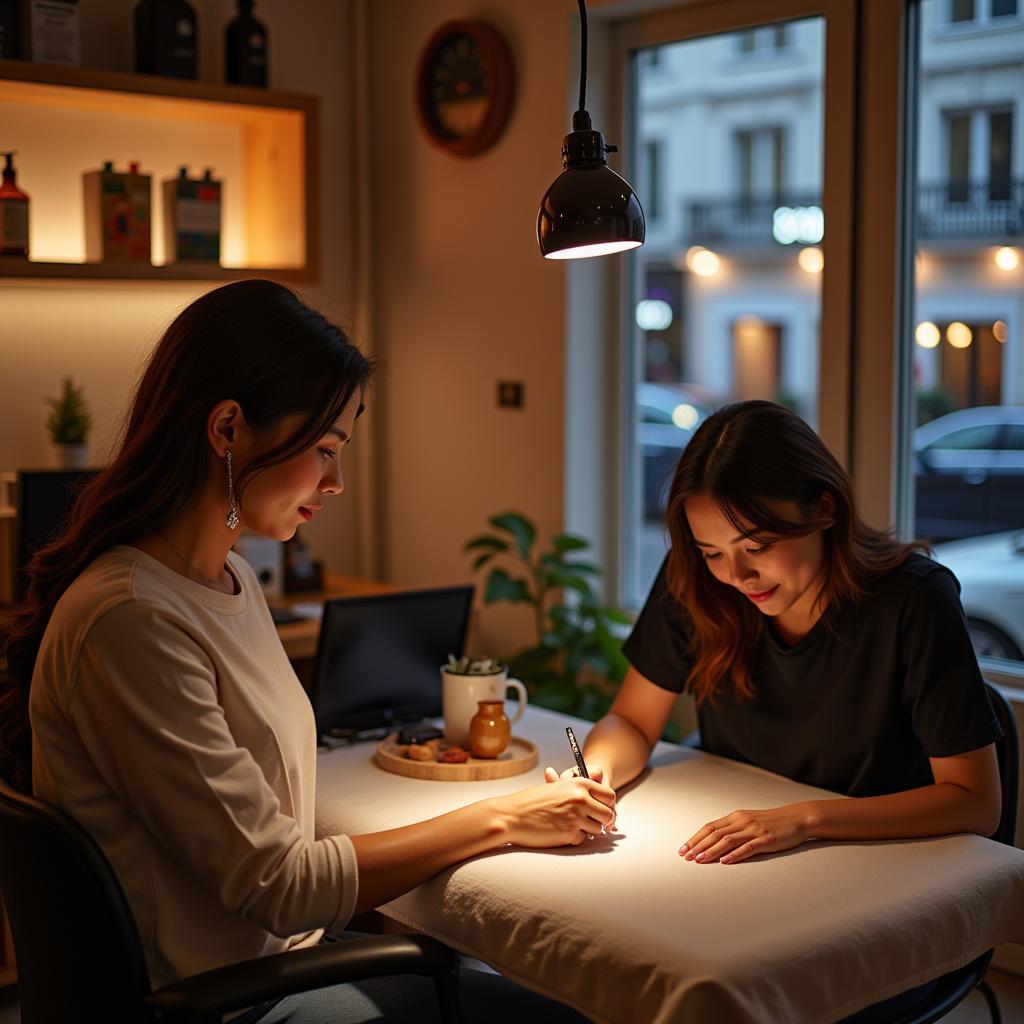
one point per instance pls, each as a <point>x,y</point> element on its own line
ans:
<point>619,748</point>
<point>940,809</point>
<point>395,861</point>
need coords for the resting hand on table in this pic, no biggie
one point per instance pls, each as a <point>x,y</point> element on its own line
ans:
<point>744,834</point>
<point>562,814</point>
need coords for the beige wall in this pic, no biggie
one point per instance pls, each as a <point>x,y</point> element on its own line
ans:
<point>100,332</point>
<point>463,300</point>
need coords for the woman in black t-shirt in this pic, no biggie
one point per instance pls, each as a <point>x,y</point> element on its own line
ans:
<point>816,647</point>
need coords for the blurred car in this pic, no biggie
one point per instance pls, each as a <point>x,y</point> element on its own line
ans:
<point>667,416</point>
<point>991,574</point>
<point>969,474</point>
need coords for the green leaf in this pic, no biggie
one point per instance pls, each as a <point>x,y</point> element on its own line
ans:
<point>555,579</point>
<point>533,664</point>
<point>488,541</point>
<point>617,616</point>
<point>481,560</point>
<point>501,587</point>
<point>584,567</point>
<point>569,542</point>
<point>558,696</point>
<point>521,529</point>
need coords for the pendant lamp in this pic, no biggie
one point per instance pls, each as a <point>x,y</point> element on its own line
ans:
<point>589,210</point>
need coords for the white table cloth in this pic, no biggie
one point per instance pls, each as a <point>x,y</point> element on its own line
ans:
<point>624,929</point>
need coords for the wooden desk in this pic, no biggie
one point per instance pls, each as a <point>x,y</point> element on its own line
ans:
<point>299,638</point>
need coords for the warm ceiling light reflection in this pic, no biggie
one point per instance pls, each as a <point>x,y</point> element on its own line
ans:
<point>999,331</point>
<point>959,335</point>
<point>703,262</point>
<point>1007,258</point>
<point>927,334</point>
<point>811,259</point>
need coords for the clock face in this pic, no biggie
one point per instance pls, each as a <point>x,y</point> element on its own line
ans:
<point>459,87</point>
<point>465,87</point>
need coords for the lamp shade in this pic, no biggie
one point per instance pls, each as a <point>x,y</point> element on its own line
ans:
<point>589,210</point>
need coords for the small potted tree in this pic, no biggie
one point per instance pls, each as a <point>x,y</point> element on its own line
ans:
<point>68,423</point>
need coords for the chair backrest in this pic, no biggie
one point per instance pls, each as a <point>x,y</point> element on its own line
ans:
<point>1008,754</point>
<point>79,955</point>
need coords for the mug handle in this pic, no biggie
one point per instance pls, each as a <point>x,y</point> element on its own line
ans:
<point>516,685</point>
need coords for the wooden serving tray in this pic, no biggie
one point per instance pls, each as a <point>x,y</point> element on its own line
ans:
<point>519,756</point>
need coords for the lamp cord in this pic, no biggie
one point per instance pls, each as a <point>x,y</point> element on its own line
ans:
<point>583,54</point>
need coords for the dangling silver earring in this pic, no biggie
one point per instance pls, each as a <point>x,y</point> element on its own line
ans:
<point>232,516</point>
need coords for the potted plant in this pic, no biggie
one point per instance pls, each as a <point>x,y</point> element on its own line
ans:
<point>68,423</point>
<point>576,663</point>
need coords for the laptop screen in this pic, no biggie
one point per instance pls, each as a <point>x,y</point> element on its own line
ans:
<point>379,658</point>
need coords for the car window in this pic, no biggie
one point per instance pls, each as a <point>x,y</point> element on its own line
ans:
<point>1013,438</point>
<point>649,414</point>
<point>981,436</point>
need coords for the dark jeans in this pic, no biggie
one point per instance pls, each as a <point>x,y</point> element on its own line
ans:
<point>408,999</point>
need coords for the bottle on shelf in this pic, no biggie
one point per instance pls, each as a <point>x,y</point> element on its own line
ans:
<point>13,212</point>
<point>245,48</point>
<point>9,49</point>
<point>165,38</point>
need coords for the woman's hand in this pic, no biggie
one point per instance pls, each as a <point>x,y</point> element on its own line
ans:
<point>743,834</point>
<point>596,773</point>
<point>559,814</point>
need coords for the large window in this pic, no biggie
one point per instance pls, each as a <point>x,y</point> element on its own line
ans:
<point>727,288</point>
<point>967,344</point>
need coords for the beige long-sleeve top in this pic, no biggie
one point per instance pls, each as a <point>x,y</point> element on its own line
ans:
<point>168,721</point>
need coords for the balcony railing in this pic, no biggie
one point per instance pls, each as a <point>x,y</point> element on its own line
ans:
<point>989,212</point>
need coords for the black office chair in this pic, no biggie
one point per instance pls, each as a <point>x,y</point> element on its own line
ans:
<point>80,958</point>
<point>951,989</point>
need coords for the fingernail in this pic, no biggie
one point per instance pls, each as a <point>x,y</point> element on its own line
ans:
<point>684,847</point>
<point>700,856</point>
<point>689,856</point>
<point>725,860</point>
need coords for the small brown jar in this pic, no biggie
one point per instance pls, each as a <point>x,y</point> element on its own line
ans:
<point>490,730</point>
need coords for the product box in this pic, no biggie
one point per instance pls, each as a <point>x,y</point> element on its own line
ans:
<point>191,208</point>
<point>117,216</point>
<point>49,31</point>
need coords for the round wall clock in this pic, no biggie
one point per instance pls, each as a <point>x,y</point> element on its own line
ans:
<point>465,86</point>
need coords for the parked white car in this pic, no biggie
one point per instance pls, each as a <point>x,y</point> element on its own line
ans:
<point>991,574</point>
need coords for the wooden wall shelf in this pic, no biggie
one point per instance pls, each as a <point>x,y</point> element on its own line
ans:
<point>262,144</point>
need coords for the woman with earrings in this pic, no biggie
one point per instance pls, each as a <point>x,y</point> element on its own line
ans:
<point>165,715</point>
<point>816,647</point>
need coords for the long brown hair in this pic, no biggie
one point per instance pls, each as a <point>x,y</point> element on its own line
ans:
<point>253,341</point>
<point>744,457</point>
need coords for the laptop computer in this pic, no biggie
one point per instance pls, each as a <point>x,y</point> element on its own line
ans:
<point>379,657</point>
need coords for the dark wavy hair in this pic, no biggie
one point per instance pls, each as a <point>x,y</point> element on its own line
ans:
<point>252,341</point>
<point>744,457</point>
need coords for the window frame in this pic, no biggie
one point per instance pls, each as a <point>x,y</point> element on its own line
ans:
<point>867,297</point>
<point>695,20</point>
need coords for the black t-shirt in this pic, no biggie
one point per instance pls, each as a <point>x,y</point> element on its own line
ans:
<point>856,706</point>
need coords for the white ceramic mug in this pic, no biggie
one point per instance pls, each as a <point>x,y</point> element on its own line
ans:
<point>460,695</point>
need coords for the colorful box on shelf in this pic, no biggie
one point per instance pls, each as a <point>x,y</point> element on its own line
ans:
<point>191,208</point>
<point>117,215</point>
